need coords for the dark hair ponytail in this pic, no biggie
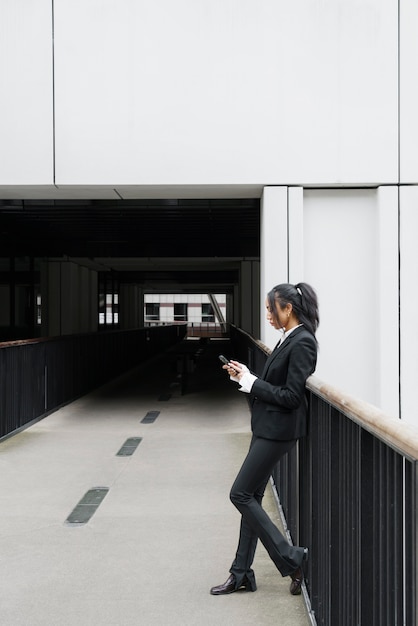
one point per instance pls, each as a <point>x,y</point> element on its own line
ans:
<point>303,299</point>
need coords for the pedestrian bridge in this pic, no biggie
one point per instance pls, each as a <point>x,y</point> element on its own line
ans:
<point>115,507</point>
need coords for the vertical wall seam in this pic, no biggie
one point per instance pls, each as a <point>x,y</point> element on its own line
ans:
<point>53,89</point>
<point>288,234</point>
<point>399,93</point>
<point>399,211</point>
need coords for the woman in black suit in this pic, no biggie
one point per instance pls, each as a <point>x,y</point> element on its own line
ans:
<point>278,419</point>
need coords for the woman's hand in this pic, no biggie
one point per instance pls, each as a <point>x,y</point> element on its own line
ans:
<point>235,370</point>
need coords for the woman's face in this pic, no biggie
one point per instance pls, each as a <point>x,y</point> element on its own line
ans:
<point>281,314</point>
<point>281,317</point>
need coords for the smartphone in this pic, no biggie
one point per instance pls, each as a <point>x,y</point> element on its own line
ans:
<point>224,360</point>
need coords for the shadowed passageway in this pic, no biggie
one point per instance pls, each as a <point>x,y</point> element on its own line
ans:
<point>164,530</point>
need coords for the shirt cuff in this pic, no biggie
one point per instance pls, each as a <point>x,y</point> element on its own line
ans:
<point>246,382</point>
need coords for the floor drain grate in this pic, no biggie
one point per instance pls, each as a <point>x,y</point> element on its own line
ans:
<point>129,446</point>
<point>150,417</point>
<point>87,506</point>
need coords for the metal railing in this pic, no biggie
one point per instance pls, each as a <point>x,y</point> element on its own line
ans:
<point>197,329</point>
<point>39,375</point>
<point>348,492</point>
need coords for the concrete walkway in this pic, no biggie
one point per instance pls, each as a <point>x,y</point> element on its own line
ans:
<point>164,533</point>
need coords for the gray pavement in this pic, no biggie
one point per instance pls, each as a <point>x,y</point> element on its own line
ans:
<point>165,532</point>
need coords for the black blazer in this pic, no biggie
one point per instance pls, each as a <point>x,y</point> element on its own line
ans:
<point>278,399</point>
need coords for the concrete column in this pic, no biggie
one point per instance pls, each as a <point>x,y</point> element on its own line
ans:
<point>387,317</point>
<point>131,307</point>
<point>249,298</point>
<point>246,296</point>
<point>256,295</point>
<point>93,292</point>
<point>229,308</point>
<point>51,299</point>
<point>70,303</point>
<point>86,299</point>
<point>125,292</point>
<point>141,306</point>
<point>69,299</point>
<point>236,312</point>
<point>408,303</point>
<point>274,264</point>
<point>4,305</point>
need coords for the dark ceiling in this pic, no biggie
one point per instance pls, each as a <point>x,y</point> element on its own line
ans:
<point>130,228</point>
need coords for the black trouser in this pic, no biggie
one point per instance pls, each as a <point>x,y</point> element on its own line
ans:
<point>246,494</point>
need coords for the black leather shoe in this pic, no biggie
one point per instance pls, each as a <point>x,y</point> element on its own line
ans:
<point>297,577</point>
<point>229,586</point>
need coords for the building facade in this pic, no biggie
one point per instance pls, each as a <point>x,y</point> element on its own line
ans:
<point>309,106</point>
<point>195,310</point>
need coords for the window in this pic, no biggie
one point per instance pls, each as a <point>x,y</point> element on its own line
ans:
<point>207,313</point>
<point>152,311</point>
<point>108,300</point>
<point>180,312</point>
<point>38,309</point>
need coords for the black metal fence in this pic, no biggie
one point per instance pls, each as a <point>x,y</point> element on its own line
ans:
<point>348,491</point>
<point>40,375</point>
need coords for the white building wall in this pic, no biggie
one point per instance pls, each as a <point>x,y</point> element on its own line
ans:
<point>387,311</point>
<point>144,96</point>
<point>344,242</point>
<point>341,262</point>
<point>355,272</point>
<point>26,119</point>
<point>408,126</point>
<point>220,92</point>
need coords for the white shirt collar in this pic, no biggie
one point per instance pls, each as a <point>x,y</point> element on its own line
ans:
<point>286,333</point>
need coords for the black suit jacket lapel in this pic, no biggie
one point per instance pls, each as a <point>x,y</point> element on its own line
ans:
<point>278,350</point>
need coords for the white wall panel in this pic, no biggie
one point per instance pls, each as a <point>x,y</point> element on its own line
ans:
<point>26,119</point>
<point>408,91</point>
<point>273,252</point>
<point>295,235</point>
<point>386,319</point>
<point>225,91</point>
<point>409,317</point>
<point>164,92</point>
<point>340,100</point>
<point>341,235</point>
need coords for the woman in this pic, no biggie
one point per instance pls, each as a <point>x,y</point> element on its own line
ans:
<point>278,419</point>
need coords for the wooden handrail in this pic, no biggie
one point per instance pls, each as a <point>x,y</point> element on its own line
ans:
<point>398,434</point>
